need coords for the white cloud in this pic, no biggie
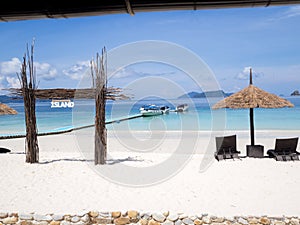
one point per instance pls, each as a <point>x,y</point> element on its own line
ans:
<point>131,72</point>
<point>278,79</point>
<point>2,82</point>
<point>245,74</point>
<point>8,72</point>
<point>292,12</point>
<point>45,71</point>
<point>13,82</point>
<point>10,67</point>
<point>77,71</point>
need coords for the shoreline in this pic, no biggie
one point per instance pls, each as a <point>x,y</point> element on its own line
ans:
<point>66,181</point>
<point>231,131</point>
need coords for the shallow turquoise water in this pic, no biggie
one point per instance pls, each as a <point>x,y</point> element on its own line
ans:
<point>199,117</point>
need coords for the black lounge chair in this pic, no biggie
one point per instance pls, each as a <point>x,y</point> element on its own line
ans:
<point>285,149</point>
<point>226,148</point>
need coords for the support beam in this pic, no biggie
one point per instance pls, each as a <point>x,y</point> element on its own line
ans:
<point>35,9</point>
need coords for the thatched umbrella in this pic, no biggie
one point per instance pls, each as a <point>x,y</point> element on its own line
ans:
<point>252,97</point>
<point>5,109</point>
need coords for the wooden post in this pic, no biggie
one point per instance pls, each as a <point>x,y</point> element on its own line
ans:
<point>251,116</point>
<point>31,145</point>
<point>252,126</point>
<point>100,76</point>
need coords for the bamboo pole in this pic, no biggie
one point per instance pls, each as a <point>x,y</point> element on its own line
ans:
<point>31,142</point>
<point>100,76</point>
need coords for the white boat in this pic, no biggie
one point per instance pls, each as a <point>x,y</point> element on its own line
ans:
<point>154,110</point>
<point>182,108</point>
<point>164,109</point>
<point>150,110</point>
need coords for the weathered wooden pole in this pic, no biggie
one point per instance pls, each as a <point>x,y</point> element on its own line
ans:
<point>31,142</point>
<point>251,114</point>
<point>99,75</point>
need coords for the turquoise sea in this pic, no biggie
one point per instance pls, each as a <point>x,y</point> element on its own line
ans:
<point>198,117</point>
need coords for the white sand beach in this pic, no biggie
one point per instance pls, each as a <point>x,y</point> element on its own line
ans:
<point>158,177</point>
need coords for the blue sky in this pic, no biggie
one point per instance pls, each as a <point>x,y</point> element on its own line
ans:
<point>228,41</point>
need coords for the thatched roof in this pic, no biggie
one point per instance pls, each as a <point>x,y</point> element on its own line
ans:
<point>5,109</point>
<point>252,97</point>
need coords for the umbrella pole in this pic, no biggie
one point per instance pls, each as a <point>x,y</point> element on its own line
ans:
<point>252,126</point>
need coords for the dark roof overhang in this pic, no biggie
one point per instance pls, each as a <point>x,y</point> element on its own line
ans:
<point>41,9</point>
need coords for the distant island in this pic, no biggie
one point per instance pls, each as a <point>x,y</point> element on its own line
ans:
<point>208,94</point>
<point>7,98</point>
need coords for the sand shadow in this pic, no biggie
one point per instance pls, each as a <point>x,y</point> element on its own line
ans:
<point>108,162</point>
<point>65,160</point>
<point>128,159</point>
<point>4,150</point>
<point>17,153</point>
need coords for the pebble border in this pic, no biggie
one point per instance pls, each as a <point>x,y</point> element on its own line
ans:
<point>141,218</point>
